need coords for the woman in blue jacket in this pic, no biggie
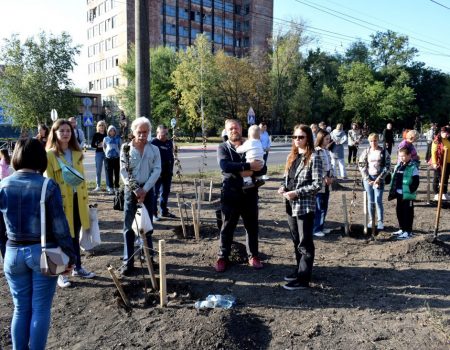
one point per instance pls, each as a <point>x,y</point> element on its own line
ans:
<point>32,292</point>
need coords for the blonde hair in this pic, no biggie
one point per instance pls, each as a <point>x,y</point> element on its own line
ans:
<point>412,134</point>
<point>254,132</point>
<point>99,124</point>
<point>373,136</point>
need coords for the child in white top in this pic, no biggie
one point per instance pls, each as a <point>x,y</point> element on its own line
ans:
<point>253,150</point>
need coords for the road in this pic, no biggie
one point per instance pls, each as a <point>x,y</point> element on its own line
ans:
<point>191,159</point>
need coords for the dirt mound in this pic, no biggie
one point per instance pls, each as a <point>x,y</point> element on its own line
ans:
<point>420,250</point>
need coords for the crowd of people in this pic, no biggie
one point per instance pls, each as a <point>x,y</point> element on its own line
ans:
<point>316,159</point>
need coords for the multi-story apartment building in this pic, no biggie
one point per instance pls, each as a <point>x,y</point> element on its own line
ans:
<point>235,26</point>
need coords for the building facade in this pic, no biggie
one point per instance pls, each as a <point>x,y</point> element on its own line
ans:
<point>235,26</point>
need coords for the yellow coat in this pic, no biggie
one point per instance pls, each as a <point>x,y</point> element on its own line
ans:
<point>54,172</point>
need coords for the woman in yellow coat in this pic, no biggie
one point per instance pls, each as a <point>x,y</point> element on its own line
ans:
<point>62,151</point>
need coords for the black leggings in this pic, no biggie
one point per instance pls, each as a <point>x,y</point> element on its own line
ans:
<point>77,228</point>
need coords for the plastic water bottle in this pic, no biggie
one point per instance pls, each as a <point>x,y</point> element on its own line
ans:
<point>216,301</point>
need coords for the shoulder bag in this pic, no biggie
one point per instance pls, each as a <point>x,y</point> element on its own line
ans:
<point>53,260</point>
<point>70,175</point>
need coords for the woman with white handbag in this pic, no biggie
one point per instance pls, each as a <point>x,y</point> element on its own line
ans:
<point>65,166</point>
<point>20,195</point>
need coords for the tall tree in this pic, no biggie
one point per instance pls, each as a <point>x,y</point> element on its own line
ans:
<point>389,49</point>
<point>36,78</point>
<point>286,60</point>
<point>163,61</point>
<point>195,83</point>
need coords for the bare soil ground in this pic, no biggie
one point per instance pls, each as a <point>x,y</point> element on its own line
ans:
<point>366,293</point>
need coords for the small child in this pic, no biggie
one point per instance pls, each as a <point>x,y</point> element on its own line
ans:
<point>404,184</point>
<point>253,150</point>
<point>5,164</point>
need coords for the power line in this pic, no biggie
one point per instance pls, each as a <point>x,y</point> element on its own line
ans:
<point>438,3</point>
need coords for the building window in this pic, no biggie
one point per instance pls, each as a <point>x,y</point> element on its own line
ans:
<point>228,40</point>
<point>101,28</point>
<point>246,26</point>
<point>116,80</point>
<point>229,7</point>
<point>194,33</point>
<point>237,9</point>
<point>218,21</point>
<point>207,19</point>
<point>196,2</point>
<point>115,41</point>
<point>218,38</point>
<point>171,29</point>
<point>218,4</point>
<point>183,13</point>
<point>228,23</point>
<point>113,22</point>
<point>183,31</point>
<point>246,9</point>
<point>170,11</point>
<point>207,3</point>
<point>238,26</point>
<point>246,42</point>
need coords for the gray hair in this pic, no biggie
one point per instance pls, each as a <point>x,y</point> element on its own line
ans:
<point>141,121</point>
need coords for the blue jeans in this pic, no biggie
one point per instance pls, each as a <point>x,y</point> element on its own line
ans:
<point>374,197</point>
<point>130,208</point>
<point>162,191</point>
<point>321,210</point>
<point>32,294</point>
<point>99,160</point>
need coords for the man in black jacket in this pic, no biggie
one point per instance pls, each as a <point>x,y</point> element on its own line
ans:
<point>234,201</point>
<point>162,186</point>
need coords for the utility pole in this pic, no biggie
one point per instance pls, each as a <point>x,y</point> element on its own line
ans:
<point>142,58</point>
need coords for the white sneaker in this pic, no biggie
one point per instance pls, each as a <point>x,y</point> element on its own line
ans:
<point>81,272</point>
<point>404,235</point>
<point>380,225</point>
<point>327,230</point>
<point>110,190</point>
<point>156,218</point>
<point>397,233</point>
<point>369,225</point>
<point>96,189</point>
<point>63,281</point>
<point>319,234</point>
<point>445,197</point>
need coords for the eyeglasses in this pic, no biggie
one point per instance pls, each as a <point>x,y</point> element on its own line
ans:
<point>298,137</point>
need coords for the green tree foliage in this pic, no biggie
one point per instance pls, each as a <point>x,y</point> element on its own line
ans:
<point>36,78</point>
<point>389,49</point>
<point>286,61</point>
<point>163,62</point>
<point>357,52</point>
<point>195,81</point>
<point>301,102</point>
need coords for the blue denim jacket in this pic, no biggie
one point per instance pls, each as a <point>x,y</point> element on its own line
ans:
<point>20,195</point>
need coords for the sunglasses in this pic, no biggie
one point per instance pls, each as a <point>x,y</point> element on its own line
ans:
<point>298,137</point>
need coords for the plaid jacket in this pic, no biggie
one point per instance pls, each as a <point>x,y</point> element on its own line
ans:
<point>308,181</point>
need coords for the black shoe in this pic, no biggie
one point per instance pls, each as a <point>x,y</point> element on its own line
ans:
<point>259,183</point>
<point>291,277</point>
<point>295,285</point>
<point>169,215</point>
<point>127,270</point>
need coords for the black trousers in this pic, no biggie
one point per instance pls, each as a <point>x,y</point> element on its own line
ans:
<point>301,228</point>
<point>112,166</point>
<point>233,207</point>
<point>352,151</point>
<point>77,228</point>
<point>389,147</point>
<point>405,213</point>
<point>437,179</point>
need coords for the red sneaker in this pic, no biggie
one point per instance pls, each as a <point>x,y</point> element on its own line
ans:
<point>255,263</point>
<point>221,265</point>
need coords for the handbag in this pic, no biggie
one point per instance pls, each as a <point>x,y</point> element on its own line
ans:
<point>119,200</point>
<point>90,238</point>
<point>70,175</point>
<point>53,260</point>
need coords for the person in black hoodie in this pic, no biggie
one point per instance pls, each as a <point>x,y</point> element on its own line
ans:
<point>234,201</point>
<point>162,186</point>
<point>388,138</point>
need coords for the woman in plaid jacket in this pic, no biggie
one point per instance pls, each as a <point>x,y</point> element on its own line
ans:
<point>303,179</point>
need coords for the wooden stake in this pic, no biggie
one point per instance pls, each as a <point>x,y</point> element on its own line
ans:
<point>162,273</point>
<point>194,221</point>
<point>428,185</point>
<point>118,286</point>
<point>365,211</point>
<point>180,211</point>
<point>210,190</point>
<point>202,190</point>
<point>148,259</point>
<point>344,208</point>
<point>441,191</point>
<point>196,189</point>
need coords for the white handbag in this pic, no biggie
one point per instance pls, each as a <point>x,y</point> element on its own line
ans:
<point>53,260</point>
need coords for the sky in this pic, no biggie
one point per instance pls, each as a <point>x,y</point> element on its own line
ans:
<point>333,24</point>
